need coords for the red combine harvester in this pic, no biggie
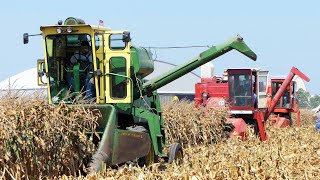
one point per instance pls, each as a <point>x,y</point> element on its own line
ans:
<point>245,91</point>
<point>216,88</point>
<point>287,104</point>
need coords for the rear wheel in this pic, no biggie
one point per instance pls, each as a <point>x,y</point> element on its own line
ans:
<point>175,153</point>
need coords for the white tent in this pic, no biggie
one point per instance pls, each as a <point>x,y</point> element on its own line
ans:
<point>316,109</point>
<point>26,80</point>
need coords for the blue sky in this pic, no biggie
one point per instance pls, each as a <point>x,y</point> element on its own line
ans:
<point>282,33</point>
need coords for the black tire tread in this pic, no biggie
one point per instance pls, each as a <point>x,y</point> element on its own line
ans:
<point>173,152</point>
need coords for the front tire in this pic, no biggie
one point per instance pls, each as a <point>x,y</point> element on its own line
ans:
<point>175,153</point>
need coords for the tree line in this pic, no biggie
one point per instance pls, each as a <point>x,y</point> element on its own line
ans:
<point>306,100</point>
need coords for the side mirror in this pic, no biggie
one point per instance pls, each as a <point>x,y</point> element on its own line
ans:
<point>126,36</point>
<point>41,72</point>
<point>25,38</point>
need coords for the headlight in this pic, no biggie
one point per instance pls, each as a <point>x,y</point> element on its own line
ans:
<point>59,30</point>
<point>69,29</point>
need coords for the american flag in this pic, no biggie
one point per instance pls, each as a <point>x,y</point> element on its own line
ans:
<point>101,23</point>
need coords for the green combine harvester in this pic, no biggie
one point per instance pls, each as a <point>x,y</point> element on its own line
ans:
<point>111,75</point>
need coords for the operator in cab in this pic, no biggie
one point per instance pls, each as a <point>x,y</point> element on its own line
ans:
<point>84,58</point>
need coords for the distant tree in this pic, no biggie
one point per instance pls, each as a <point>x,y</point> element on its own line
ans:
<point>315,101</point>
<point>303,98</point>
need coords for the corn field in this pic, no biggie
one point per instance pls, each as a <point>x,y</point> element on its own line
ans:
<point>40,141</point>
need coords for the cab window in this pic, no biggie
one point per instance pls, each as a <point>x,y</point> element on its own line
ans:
<point>118,81</point>
<point>116,42</point>
<point>262,84</point>
<point>69,63</point>
<point>240,89</point>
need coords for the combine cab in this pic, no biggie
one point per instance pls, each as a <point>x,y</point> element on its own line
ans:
<point>246,94</point>
<point>287,104</point>
<point>131,126</point>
